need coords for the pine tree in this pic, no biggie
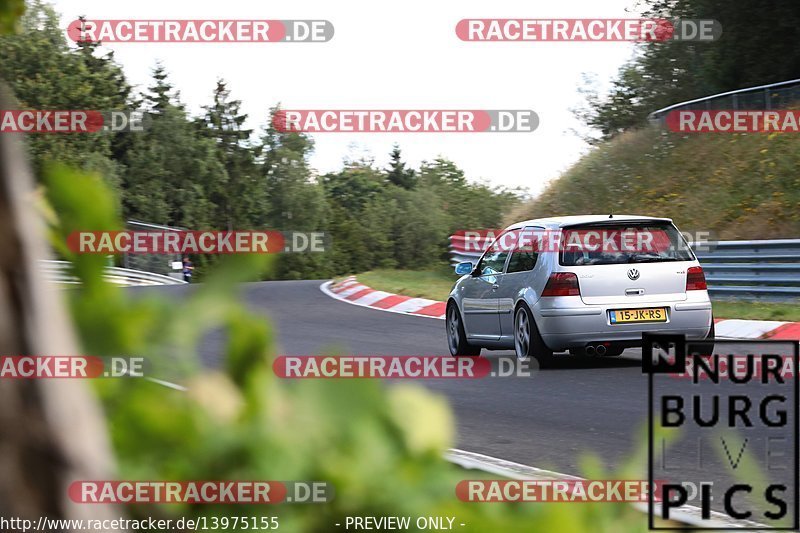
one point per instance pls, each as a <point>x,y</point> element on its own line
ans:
<point>239,197</point>
<point>170,167</point>
<point>397,173</point>
<point>160,95</point>
<point>296,198</point>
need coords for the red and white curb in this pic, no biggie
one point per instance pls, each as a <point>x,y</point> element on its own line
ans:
<point>351,291</point>
<point>757,329</point>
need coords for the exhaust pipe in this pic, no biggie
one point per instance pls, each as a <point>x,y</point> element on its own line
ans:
<point>600,350</point>
<point>589,349</point>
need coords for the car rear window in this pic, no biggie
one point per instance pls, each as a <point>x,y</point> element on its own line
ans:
<point>628,243</point>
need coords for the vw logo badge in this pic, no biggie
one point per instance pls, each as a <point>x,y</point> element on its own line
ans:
<point>633,274</point>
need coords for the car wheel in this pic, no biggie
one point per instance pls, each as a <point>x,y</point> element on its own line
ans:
<point>527,340</point>
<point>712,333</point>
<point>707,344</point>
<point>456,337</point>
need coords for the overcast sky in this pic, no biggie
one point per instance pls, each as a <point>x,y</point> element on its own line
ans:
<point>401,55</point>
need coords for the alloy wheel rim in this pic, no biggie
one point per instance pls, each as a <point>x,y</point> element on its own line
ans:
<point>522,335</point>
<point>452,330</point>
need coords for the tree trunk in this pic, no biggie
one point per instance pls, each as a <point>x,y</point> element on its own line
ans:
<point>52,431</point>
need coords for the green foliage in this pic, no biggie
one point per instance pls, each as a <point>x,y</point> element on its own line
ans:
<point>739,186</point>
<point>378,224</point>
<point>756,310</point>
<point>434,284</point>
<point>239,192</point>
<point>757,47</point>
<point>380,447</point>
<point>207,172</point>
<point>296,200</point>
<point>44,73</point>
<point>398,174</point>
<point>10,12</point>
<point>171,168</point>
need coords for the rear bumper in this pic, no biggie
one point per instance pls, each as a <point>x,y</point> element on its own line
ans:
<point>568,323</point>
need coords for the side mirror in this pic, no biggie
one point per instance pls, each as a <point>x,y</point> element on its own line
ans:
<point>464,268</point>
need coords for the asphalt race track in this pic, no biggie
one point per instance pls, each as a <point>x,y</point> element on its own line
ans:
<point>549,419</point>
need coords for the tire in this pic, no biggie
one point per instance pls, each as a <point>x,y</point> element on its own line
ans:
<point>708,343</point>
<point>527,340</point>
<point>712,334</point>
<point>456,336</point>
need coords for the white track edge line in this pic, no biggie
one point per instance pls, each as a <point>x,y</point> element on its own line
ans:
<point>509,469</point>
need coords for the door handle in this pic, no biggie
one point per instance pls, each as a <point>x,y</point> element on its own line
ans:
<point>495,287</point>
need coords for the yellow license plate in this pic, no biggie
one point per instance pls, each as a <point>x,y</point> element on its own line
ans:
<point>627,316</point>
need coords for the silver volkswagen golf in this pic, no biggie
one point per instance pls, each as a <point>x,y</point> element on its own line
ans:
<point>590,285</point>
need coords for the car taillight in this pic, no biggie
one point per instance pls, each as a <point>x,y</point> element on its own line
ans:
<point>562,284</point>
<point>695,279</point>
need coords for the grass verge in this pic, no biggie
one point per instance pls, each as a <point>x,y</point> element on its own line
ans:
<point>757,311</point>
<point>437,283</point>
<point>434,284</point>
<point>738,186</point>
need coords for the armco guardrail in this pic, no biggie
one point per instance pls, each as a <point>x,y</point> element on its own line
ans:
<point>766,270</point>
<point>754,270</point>
<point>59,272</point>
<point>764,97</point>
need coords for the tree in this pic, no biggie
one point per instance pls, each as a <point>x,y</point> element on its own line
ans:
<point>361,213</point>
<point>204,172</point>
<point>44,73</point>
<point>170,167</point>
<point>47,427</point>
<point>10,12</point>
<point>296,198</point>
<point>756,48</point>
<point>239,197</point>
<point>354,186</point>
<point>161,94</point>
<point>397,173</point>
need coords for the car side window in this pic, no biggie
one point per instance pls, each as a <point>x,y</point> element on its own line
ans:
<point>494,259</point>
<point>524,254</point>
